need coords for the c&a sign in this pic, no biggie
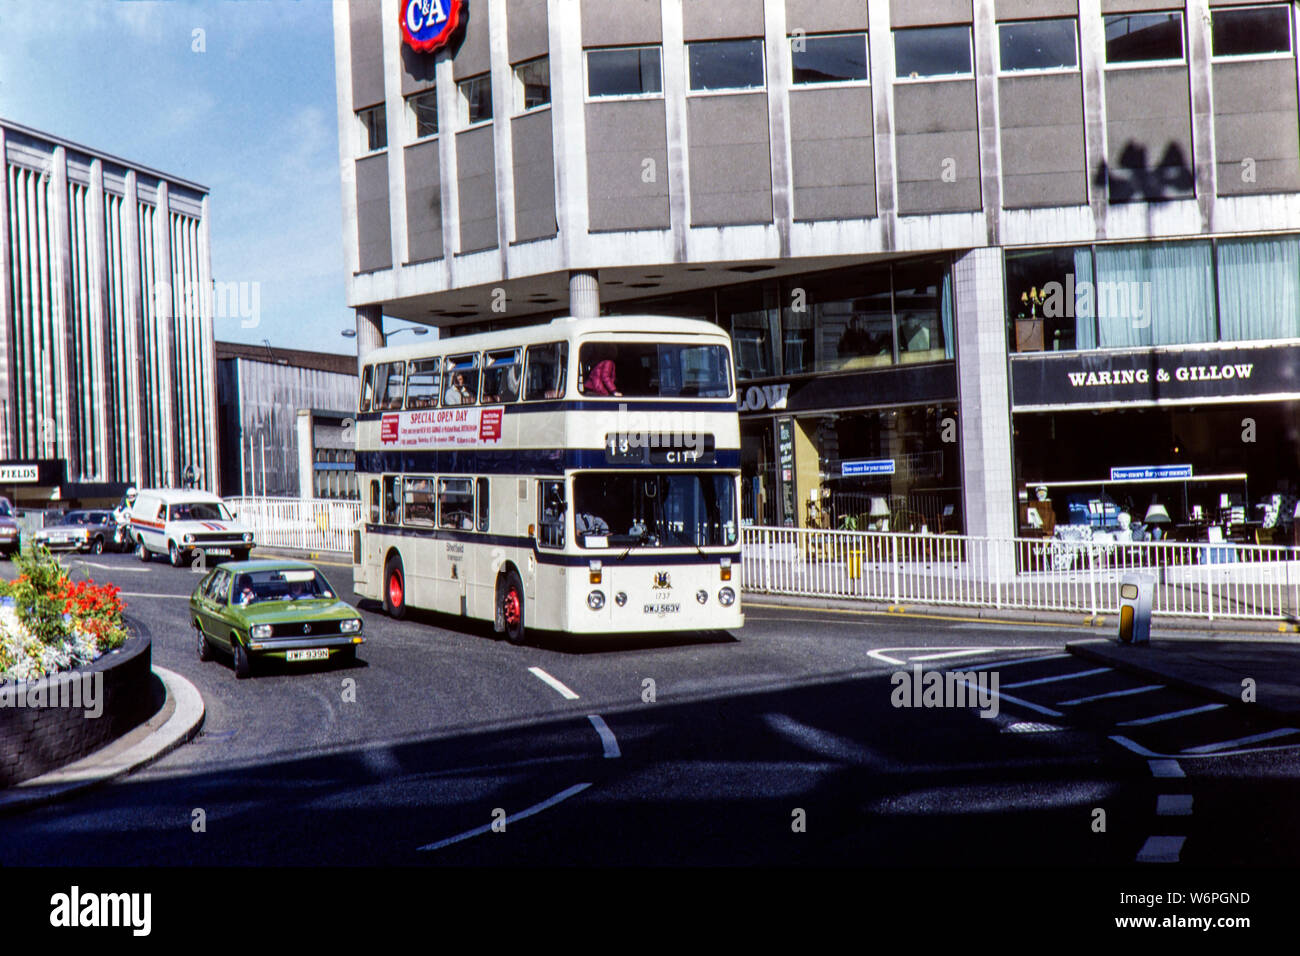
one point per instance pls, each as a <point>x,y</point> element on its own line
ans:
<point>428,24</point>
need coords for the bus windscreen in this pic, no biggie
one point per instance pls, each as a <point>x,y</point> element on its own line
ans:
<point>654,511</point>
<point>654,370</point>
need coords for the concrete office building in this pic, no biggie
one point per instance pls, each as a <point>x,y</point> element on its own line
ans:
<point>963,247</point>
<point>106,367</point>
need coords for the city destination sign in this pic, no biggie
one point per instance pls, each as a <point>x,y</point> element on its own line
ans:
<point>427,25</point>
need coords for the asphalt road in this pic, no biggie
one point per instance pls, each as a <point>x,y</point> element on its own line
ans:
<point>779,744</point>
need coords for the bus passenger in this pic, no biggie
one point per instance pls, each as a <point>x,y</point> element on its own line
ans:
<point>457,393</point>
<point>601,379</point>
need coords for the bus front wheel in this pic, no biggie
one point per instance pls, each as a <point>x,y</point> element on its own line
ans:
<point>512,608</point>
<point>394,589</point>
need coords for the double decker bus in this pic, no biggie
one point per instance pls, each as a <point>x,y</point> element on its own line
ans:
<point>580,476</point>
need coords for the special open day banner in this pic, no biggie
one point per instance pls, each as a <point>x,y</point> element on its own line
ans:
<point>443,426</point>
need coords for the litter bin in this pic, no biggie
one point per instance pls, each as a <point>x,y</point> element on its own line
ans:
<point>1135,594</point>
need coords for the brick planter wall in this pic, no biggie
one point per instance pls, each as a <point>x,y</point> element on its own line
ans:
<point>37,739</point>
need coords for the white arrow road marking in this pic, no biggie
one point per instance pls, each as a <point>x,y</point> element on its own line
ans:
<point>1159,718</point>
<point>521,815</point>
<point>546,678</point>
<point>606,736</point>
<point>1161,849</point>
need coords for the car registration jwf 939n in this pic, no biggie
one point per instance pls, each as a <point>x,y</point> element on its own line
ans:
<point>309,654</point>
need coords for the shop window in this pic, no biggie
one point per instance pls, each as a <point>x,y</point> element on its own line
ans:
<point>923,306</point>
<point>1050,299</point>
<point>854,320</point>
<point>627,71</point>
<point>422,108</point>
<point>1251,31</point>
<point>932,52</point>
<point>1037,45</point>
<point>475,100</point>
<point>1154,294</point>
<point>1259,288</point>
<point>532,84</point>
<point>1144,37</point>
<point>725,65</point>
<point>374,128</point>
<point>752,318</point>
<point>841,58</point>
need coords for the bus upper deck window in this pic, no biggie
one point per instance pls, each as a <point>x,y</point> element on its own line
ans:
<point>502,376</point>
<point>389,384</point>
<point>367,388</point>
<point>460,381</point>
<point>423,383</point>
<point>545,375</point>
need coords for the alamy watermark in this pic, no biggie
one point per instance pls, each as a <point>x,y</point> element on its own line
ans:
<point>1105,299</point>
<point>922,688</point>
<point>69,690</point>
<point>221,300</point>
<point>672,431</point>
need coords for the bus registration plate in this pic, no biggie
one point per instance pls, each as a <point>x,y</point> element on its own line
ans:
<point>659,610</point>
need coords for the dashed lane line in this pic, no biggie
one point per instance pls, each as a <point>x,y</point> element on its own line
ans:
<point>607,738</point>
<point>521,815</point>
<point>1128,692</point>
<point>1174,805</point>
<point>554,684</point>
<point>1198,752</point>
<point>1165,768</point>
<point>1241,741</point>
<point>1161,849</point>
<point>1060,677</point>
<point>1161,718</point>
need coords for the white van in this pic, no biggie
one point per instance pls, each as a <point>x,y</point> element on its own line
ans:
<point>181,523</point>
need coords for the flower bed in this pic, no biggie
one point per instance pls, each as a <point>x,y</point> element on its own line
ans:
<point>49,624</point>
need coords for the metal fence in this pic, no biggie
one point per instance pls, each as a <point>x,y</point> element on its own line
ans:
<point>319,524</point>
<point>1044,574</point>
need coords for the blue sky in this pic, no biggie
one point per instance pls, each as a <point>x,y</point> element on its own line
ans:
<point>252,117</point>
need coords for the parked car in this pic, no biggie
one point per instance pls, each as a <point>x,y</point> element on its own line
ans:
<point>181,523</point>
<point>277,609</point>
<point>10,539</point>
<point>78,531</point>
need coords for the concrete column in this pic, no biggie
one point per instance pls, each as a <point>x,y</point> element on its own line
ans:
<point>306,456</point>
<point>96,242</point>
<point>1092,64</point>
<point>503,111</point>
<point>584,295</point>
<point>370,332</point>
<point>448,165</point>
<point>882,108</point>
<point>674,73</point>
<point>1204,160</point>
<point>67,374</point>
<point>398,133</point>
<point>986,99</point>
<point>569,127</point>
<point>777,45</point>
<point>136,410</point>
<point>984,392</point>
<point>164,315</point>
<point>207,323</point>
<point>8,368</point>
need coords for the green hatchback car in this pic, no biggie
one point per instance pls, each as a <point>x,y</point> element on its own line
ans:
<point>281,609</point>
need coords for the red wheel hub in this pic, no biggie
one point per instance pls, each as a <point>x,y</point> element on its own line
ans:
<point>510,605</point>
<point>395,589</point>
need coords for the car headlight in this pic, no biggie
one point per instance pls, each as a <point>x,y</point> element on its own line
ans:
<point>189,539</point>
<point>260,630</point>
<point>349,627</point>
<point>726,597</point>
<point>596,600</point>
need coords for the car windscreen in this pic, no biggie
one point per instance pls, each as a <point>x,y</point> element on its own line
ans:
<point>654,511</point>
<point>289,584</point>
<point>199,511</point>
<point>654,370</point>
<point>5,510</point>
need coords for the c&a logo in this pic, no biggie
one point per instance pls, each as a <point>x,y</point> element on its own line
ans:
<point>429,24</point>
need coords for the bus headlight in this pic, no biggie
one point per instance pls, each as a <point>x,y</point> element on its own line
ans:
<point>726,597</point>
<point>189,539</point>
<point>260,630</point>
<point>702,596</point>
<point>596,600</point>
<point>620,598</point>
<point>349,627</point>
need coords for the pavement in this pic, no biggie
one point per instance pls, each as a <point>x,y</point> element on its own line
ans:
<point>177,721</point>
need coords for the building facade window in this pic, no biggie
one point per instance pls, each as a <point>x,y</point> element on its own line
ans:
<point>532,84</point>
<point>422,108</point>
<point>932,52</point>
<point>1250,31</point>
<point>476,100</point>
<point>725,65</point>
<point>838,58</point>
<point>1038,45</point>
<point>625,71</point>
<point>1259,288</point>
<point>1144,37</point>
<point>374,128</point>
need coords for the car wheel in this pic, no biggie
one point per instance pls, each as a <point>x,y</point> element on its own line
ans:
<point>243,666</point>
<point>175,555</point>
<point>141,551</point>
<point>394,589</point>
<point>98,546</point>
<point>512,608</point>
<point>205,649</point>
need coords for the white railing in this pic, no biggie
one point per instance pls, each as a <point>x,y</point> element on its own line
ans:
<point>320,524</point>
<point>1045,574</point>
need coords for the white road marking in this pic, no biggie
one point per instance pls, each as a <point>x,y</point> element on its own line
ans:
<point>882,653</point>
<point>1114,693</point>
<point>522,814</point>
<point>1165,768</point>
<point>112,567</point>
<point>1252,739</point>
<point>974,688</point>
<point>1021,660</point>
<point>1174,805</point>
<point>606,736</point>
<point>946,654</point>
<point>1160,718</point>
<point>1190,754</point>
<point>546,678</point>
<point>147,594</point>
<point>1061,677</point>
<point>1162,849</point>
